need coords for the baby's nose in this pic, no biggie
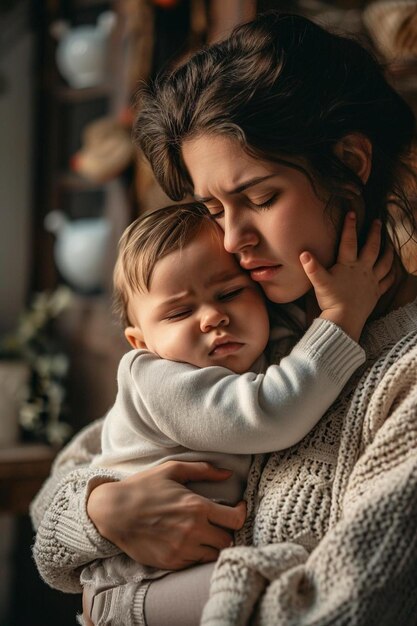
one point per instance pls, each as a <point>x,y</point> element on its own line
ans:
<point>213,317</point>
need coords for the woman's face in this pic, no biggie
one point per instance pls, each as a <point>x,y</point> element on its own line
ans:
<point>269,213</point>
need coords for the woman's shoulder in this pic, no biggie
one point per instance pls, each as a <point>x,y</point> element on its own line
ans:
<point>395,333</point>
<point>391,380</point>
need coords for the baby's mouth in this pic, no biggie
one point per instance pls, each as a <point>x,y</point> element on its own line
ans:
<point>225,347</point>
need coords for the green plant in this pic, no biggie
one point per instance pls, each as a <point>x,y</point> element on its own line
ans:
<point>34,343</point>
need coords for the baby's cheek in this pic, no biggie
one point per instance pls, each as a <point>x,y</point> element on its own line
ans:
<point>175,347</point>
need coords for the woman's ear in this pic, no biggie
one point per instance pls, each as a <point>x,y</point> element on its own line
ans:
<point>134,336</point>
<point>355,151</point>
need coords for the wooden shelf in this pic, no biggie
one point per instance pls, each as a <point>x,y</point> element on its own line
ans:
<point>63,93</point>
<point>88,4</point>
<point>71,181</point>
<point>23,469</point>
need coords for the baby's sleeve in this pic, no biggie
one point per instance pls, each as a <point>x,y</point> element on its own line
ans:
<point>213,409</point>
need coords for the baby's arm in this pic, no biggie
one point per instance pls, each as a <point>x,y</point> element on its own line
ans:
<point>213,409</point>
<point>348,292</point>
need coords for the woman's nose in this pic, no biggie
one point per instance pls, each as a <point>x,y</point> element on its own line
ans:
<point>238,235</point>
<point>213,317</point>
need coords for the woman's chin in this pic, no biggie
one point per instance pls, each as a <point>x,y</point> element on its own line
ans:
<point>283,295</point>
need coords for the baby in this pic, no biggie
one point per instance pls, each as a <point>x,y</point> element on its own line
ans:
<point>198,384</point>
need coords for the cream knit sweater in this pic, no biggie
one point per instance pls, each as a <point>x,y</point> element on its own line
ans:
<point>333,521</point>
<point>331,534</point>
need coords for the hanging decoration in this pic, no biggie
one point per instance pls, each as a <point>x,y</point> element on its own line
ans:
<point>82,54</point>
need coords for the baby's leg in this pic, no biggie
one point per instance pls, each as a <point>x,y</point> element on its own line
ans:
<point>120,592</point>
<point>179,598</point>
<point>114,590</point>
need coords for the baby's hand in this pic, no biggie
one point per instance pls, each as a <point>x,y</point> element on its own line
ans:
<point>348,292</point>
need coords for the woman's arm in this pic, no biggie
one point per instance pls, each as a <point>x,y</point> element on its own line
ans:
<point>76,502</point>
<point>364,570</point>
<point>65,536</point>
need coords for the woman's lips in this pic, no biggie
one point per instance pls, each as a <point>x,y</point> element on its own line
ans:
<point>264,272</point>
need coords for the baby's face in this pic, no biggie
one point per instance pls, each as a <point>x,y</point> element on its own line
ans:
<point>202,308</point>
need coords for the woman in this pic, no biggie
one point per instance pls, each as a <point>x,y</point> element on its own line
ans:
<point>279,130</point>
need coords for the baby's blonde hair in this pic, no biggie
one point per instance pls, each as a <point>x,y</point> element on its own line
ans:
<point>148,239</point>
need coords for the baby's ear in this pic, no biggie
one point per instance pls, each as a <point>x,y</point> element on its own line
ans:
<point>134,336</point>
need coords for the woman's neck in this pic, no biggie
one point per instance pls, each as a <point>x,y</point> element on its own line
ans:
<point>402,291</point>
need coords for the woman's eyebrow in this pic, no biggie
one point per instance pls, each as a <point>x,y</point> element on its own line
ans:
<point>240,188</point>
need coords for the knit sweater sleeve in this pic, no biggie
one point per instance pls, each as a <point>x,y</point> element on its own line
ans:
<point>364,569</point>
<point>214,409</point>
<point>66,539</point>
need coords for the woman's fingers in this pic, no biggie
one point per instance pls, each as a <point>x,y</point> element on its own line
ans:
<point>371,249</point>
<point>207,554</point>
<point>217,538</point>
<point>231,517</point>
<point>184,472</point>
<point>197,538</point>
<point>384,265</point>
<point>158,521</point>
<point>348,246</point>
<point>386,282</point>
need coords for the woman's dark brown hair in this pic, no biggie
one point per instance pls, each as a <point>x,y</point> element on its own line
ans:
<point>288,91</point>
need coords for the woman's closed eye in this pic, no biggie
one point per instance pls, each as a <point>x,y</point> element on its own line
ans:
<point>216,212</point>
<point>264,205</point>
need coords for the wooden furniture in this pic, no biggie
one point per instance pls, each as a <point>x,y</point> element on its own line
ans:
<point>61,116</point>
<point>23,469</point>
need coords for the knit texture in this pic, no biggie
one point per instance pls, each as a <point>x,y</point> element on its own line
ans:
<point>66,538</point>
<point>331,533</point>
<point>331,536</point>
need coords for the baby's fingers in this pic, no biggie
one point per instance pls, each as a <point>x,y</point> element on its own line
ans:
<point>348,247</point>
<point>372,246</point>
<point>316,273</point>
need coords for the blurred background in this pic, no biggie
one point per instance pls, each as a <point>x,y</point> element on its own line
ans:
<point>70,181</point>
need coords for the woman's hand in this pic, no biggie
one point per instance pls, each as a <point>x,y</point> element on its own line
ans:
<point>157,521</point>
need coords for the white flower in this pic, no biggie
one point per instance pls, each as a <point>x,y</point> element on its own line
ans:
<point>55,393</point>
<point>29,415</point>
<point>58,432</point>
<point>59,300</point>
<point>59,365</point>
<point>43,365</point>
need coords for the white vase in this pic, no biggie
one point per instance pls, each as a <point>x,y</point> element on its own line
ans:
<point>14,376</point>
<point>81,55</point>
<point>80,250</point>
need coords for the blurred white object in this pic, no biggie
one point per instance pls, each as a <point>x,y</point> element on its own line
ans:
<point>80,249</point>
<point>81,54</point>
